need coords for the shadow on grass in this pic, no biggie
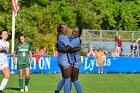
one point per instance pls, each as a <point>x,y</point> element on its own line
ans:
<point>11,88</point>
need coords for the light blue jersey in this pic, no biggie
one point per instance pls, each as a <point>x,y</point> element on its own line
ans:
<point>63,59</point>
<point>75,56</point>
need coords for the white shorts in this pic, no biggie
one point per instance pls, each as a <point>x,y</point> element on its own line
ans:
<point>2,66</point>
<point>3,63</point>
<point>76,61</point>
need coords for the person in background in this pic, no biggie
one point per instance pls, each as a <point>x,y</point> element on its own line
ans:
<point>105,51</point>
<point>55,53</point>
<point>33,53</point>
<point>138,41</point>
<point>45,51</point>
<point>41,52</point>
<point>23,50</point>
<point>133,48</point>
<point>100,58</point>
<point>118,45</point>
<point>114,53</point>
<point>90,51</point>
<point>4,47</point>
<point>36,51</point>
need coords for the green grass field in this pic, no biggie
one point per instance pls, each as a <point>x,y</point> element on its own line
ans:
<point>91,83</point>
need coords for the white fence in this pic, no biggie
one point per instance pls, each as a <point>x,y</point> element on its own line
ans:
<point>105,39</point>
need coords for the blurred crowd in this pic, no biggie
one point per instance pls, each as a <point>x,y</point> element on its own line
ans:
<point>43,52</point>
<point>117,51</point>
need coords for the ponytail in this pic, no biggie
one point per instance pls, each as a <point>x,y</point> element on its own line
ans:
<point>59,28</point>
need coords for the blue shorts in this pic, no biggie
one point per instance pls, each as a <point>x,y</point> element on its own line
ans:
<point>76,65</point>
<point>64,65</point>
<point>64,60</point>
<point>76,61</point>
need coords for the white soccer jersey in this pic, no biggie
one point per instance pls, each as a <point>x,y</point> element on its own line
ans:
<point>4,53</point>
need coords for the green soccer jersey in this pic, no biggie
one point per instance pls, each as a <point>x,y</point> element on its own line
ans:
<point>23,52</point>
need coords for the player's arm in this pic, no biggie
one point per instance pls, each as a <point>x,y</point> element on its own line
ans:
<point>30,54</point>
<point>68,49</point>
<point>14,54</point>
<point>75,49</point>
<point>67,44</point>
<point>4,48</point>
<point>65,49</point>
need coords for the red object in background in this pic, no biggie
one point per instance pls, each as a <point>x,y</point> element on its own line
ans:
<point>37,56</point>
<point>118,41</point>
<point>15,6</point>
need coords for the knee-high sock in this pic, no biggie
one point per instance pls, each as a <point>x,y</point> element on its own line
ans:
<point>78,86</point>
<point>3,83</point>
<point>21,83</point>
<point>60,84</point>
<point>70,86</point>
<point>27,81</point>
<point>67,85</point>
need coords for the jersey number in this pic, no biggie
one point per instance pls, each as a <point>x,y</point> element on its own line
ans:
<point>23,53</point>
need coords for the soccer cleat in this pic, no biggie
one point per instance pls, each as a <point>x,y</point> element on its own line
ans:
<point>56,91</point>
<point>26,88</point>
<point>101,72</point>
<point>21,90</point>
<point>1,91</point>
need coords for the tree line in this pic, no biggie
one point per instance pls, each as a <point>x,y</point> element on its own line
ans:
<point>37,19</point>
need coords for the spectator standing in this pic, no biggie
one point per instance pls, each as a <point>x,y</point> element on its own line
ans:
<point>90,51</point>
<point>139,47</point>
<point>55,53</point>
<point>113,53</point>
<point>45,51</point>
<point>138,41</point>
<point>118,45</point>
<point>133,48</point>
<point>100,58</point>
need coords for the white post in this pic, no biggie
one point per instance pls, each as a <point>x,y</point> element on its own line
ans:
<point>13,32</point>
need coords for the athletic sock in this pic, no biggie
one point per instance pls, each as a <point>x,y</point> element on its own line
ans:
<point>67,85</point>
<point>70,86</point>
<point>60,84</point>
<point>21,83</point>
<point>3,83</point>
<point>27,81</point>
<point>78,86</point>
